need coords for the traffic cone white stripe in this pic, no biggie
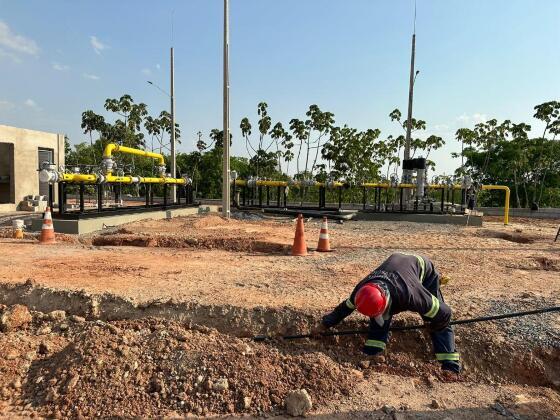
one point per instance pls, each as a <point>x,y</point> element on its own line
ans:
<point>324,245</point>
<point>47,229</point>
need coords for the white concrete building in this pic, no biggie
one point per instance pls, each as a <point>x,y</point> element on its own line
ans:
<point>21,153</point>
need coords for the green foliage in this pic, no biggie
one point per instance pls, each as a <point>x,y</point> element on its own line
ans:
<point>503,153</point>
<point>492,152</point>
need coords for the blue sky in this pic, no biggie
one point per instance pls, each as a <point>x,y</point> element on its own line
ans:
<point>477,59</point>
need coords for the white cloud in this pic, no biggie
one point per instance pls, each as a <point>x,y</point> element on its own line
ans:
<point>441,127</point>
<point>97,45</point>
<point>475,118</point>
<point>146,71</point>
<point>60,67</point>
<point>30,103</point>
<point>16,43</point>
<point>6,105</point>
<point>90,76</point>
<point>10,56</point>
<point>158,67</point>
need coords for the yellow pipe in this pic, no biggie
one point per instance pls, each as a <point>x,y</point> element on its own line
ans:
<point>79,177</point>
<point>266,183</point>
<point>114,148</point>
<point>506,203</point>
<point>374,185</point>
<point>111,179</point>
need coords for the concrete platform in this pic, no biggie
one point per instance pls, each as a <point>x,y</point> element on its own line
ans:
<point>80,227</point>
<point>421,218</point>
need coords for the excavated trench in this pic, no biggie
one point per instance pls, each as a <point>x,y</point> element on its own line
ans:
<point>488,355</point>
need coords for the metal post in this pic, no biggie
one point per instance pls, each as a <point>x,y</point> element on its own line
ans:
<point>82,188</point>
<point>364,198</point>
<point>267,196</point>
<point>259,192</point>
<point>173,155</point>
<point>226,175</point>
<point>61,198</point>
<point>278,198</point>
<point>51,197</point>
<point>165,196</point>
<point>453,197</point>
<point>99,198</point>
<point>378,199</point>
<point>243,195</point>
<point>401,193</point>
<point>147,188</point>
<point>407,173</point>
<point>443,200</point>
<point>339,198</point>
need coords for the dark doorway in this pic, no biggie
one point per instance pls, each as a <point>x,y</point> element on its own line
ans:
<point>7,190</point>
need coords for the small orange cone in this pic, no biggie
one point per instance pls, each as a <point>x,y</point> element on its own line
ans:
<point>47,231</point>
<point>324,243</point>
<point>299,248</point>
<point>17,229</point>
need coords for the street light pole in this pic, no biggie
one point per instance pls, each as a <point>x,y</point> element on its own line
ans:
<point>406,172</point>
<point>173,160</point>
<point>226,177</point>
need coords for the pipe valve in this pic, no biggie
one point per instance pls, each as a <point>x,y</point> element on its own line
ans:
<point>108,164</point>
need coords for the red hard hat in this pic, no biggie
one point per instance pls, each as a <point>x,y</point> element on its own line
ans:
<point>370,300</point>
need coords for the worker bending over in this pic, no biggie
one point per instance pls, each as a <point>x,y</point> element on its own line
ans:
<point>402,282</point>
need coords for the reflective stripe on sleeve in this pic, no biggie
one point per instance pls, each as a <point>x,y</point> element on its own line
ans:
<point>447,356</point>
<point>434,309</point>
<point>349,304</point>
<point>376,343</point>
<point>422,267</point>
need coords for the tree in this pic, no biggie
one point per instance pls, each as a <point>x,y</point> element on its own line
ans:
<point>256,155</point>
<point>549,113</point>
<point>352,155</point>
<point>417,144</point>
<point>311,133</point>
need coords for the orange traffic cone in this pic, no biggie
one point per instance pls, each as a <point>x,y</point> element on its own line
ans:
<point>47,231</point>
<point>299,248</point>
<point>324,243</point>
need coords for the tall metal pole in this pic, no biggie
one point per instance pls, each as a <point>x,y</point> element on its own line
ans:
<point>173,160</point>
<point>407,173</point>
<point>226,177</point>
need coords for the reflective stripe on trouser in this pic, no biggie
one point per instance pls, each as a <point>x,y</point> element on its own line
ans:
<point>349,304</point>
<point>434,309</point>
<point>377,335</point>
<point>442,357</point>
<point>444,345</point>
<point>376,343</point>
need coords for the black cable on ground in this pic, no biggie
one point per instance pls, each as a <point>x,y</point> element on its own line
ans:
<point>416,327</point>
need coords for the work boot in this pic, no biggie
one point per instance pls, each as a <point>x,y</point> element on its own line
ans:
<point>451,366</point>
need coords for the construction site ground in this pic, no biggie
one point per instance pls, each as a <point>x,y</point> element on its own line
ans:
<point>159,317</point>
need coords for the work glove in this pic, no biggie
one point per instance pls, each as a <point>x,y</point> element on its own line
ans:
<point>451,366</point>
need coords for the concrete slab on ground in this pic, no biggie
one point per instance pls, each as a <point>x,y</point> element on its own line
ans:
<point>83,226</point>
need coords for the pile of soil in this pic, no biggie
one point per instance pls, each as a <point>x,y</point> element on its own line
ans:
<point>147,367</point>
<point>518,237</point>
<point>210,232</point>
<point>536,263</point>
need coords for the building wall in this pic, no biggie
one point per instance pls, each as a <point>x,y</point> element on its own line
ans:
<point>26,144</point>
